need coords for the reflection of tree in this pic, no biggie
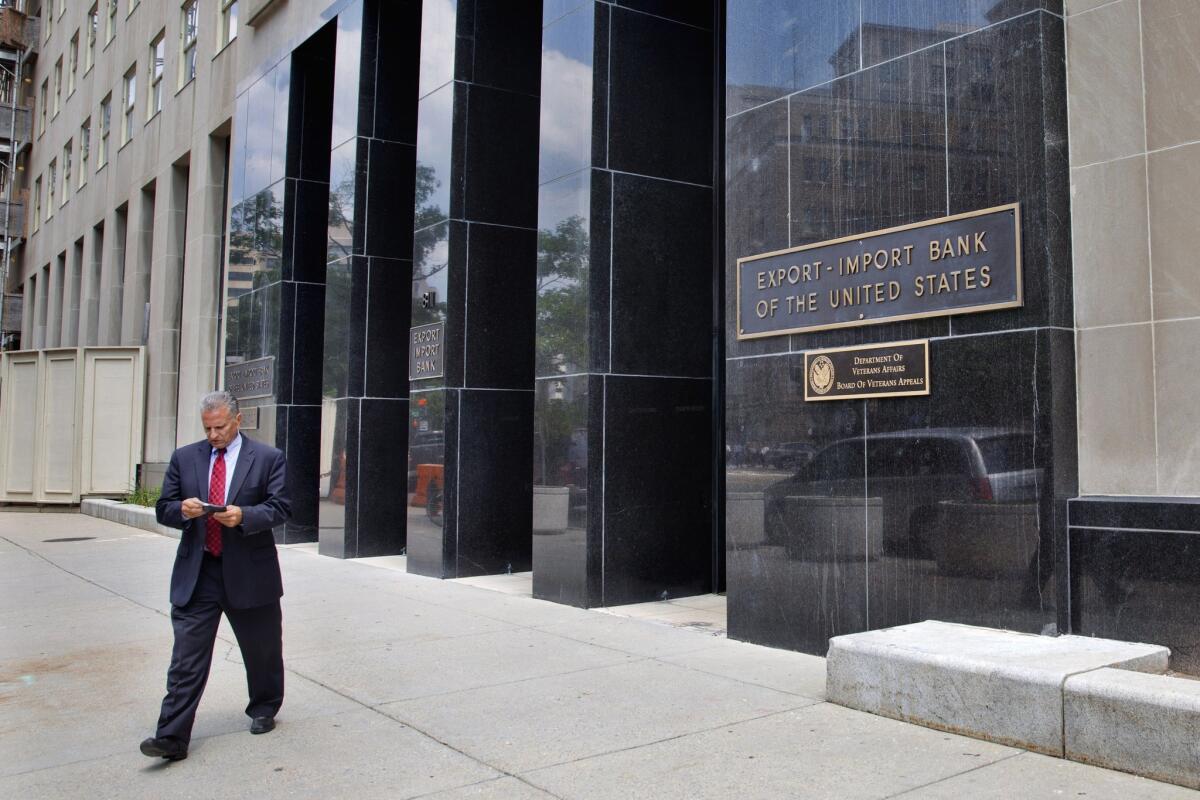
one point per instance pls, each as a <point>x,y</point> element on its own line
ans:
<point>562,296</point>
<point>337,321</point>
<point>430,234</point>
<point>341,197</point>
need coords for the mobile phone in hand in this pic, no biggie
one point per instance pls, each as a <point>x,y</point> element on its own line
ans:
<point>209,508</point>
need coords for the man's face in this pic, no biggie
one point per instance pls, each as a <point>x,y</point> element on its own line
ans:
<point>220,426</point>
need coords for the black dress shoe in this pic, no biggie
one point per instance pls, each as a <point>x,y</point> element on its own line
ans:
<point>165,747</point>
<point>262,725</point>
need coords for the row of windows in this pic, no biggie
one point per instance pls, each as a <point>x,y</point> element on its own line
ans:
<point>189,19</point>
<point>56,183</point>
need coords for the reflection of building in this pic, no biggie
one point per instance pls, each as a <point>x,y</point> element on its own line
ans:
<point>597,420</point>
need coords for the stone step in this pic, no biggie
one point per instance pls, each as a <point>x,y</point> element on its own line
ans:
<point>1145,724</point>
<point>1002,686</point>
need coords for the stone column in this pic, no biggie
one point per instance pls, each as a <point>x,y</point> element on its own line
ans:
<point>364,389</point>
<point>89,306</point>
<point>474,271</point>
<point>200,281</point>
<point>71,295</point>
<point>112,277</point>
<point>623,455</point>
<point>54,303</point>
<point>166,296</point>
<point>140,237</point>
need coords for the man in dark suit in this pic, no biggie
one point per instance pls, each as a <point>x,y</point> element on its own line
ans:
<point>226,562</point>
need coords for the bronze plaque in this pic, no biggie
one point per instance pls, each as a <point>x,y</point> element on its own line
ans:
<point>894,369</point>
<point>426,352</point>
<point>249,379</point>
<point>953,265</point>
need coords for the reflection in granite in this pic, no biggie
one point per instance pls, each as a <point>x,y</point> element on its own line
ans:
<point>562,473</point>
<point>850,515</point>
<point>817,38</point>
<point>565,126</point>
<point>474,250</point>
<point>892,28</point>
<point>1008,141</point>
<point>1135,572</point>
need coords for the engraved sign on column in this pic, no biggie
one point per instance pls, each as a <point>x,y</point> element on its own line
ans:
<point>425,352</point>
<point>249,379</point>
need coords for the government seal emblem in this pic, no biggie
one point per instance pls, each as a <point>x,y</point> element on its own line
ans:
<point>820,374</point>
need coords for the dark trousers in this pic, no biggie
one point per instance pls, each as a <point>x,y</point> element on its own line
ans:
<point>259,633</point>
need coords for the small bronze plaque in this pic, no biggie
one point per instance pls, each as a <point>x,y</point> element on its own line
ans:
<point>953,265</point>
<point>894,369</point>
<point>249,379</point>
<point>425,351</point>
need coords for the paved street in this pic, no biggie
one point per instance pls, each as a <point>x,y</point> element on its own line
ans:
<point>400,686</point>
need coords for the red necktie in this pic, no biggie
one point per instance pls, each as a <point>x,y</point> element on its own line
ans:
<point>216,496</point>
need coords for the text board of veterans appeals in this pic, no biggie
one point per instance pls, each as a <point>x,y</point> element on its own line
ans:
<point>952,265</point>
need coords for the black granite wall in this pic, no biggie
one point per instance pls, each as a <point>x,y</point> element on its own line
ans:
<point>1135,572</point>
<point>364,387</point>
<point>623,460</point>
<point>849,117</point>
<point>475,250</point>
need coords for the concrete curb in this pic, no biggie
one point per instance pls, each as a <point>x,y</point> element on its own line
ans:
<point>127,514</point>
<point>1145,724</point>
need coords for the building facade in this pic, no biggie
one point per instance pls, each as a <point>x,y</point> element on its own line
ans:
<point>482,263</point>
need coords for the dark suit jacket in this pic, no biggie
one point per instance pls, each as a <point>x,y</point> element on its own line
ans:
<point>249,561</point>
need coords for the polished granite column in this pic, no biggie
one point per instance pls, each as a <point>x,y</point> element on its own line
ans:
<point>475,255</point>
<point>275,275</point>
<point>368,253</point>
<point>623,424</point>
<point>850,515</point>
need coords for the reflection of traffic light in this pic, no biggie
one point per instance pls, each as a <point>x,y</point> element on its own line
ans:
<point>420,414</point>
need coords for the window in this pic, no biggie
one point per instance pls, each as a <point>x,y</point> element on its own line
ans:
<point>93,28</point>
<point>72,63</point>
<point>105,127</point>
<point>62,7</point>
<point>85,147</point>
<point>130,100</point>
<point>8,89</point>
<point>133,4</point>
<point>48,15</point>
<point>37,202</point>
<point>187,43</point>
<point>158,52</point>
<point>58,75</point>
<point>43,101</point>
<point>110,27</point>
<point>66,172</point>
<point>229,21</point>
<point>51,180</point>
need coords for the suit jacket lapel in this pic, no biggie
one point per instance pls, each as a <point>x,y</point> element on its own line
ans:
<point>245,459</point>
<point>203,457</point>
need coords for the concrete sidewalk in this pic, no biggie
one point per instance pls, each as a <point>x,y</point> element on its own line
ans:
<point>400,686</point>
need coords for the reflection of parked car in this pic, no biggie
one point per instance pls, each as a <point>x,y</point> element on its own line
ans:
<point>910,473</point>
<point>424,448</point>
<point>789,455</point>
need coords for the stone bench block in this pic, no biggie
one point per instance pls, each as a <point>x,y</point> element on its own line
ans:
<point>997,685</point>
<point>127,514</point>
<point>1145,724</point>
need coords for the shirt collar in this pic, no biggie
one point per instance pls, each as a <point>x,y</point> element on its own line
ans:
<point>232,450</point>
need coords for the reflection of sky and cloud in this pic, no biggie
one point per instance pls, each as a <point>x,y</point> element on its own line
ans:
<point>566,118</point>
<point>346,68</point>
<point>776,47</point>
<point>438,23</point>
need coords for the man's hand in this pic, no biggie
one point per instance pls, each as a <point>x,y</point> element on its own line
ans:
<point>231,517</point>
<point>191,508</point>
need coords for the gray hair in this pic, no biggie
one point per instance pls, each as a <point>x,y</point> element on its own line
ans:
<point>219,399</point>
